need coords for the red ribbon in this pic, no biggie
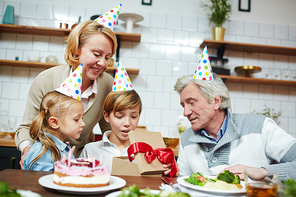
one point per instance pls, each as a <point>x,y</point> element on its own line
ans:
<point>164,155</point>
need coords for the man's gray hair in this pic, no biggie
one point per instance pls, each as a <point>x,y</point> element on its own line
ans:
<point>209,88</point>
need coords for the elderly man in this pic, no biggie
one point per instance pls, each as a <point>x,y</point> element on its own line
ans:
<point>221,140</point>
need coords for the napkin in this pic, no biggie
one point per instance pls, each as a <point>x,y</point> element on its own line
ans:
<point>27,193</point>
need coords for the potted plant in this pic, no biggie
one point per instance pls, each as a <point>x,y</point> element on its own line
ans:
<point>219,12</point>
<point>270,113</point>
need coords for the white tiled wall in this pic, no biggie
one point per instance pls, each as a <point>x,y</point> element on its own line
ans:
<point>169,48</point>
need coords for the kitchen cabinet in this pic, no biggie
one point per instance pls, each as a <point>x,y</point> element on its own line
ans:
<point>9,155</point>
<point>245,47</point>
<point>48,31</point>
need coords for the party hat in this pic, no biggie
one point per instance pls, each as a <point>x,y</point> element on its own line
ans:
<point>121,80</point>
<point>72,85</point>
<point>109,19</point>
<point>204,69</point>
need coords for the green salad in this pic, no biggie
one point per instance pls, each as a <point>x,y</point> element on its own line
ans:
<point>134,191</point>
<point>289,189</point>
<point>6,192</point>
<point>228,177</point>
<point>199,179</point>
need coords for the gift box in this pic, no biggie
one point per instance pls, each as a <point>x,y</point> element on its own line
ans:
<point>140,166</point>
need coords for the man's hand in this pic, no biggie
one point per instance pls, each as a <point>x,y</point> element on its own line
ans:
<point>169,166</point>
<point>239,170</point>
<point>25,152</point>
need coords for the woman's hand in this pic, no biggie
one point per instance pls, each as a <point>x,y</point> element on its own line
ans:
<point>169,167</point>
<point>25,152</point>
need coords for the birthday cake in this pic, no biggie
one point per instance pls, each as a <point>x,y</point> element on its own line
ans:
<point>81,173</point>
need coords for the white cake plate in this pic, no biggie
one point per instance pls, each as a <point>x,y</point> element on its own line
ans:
<point>130,19</point>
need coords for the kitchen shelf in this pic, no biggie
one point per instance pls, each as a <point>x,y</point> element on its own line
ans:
<point>111,70</point>
<point>236,46</point>
<point>48,31</point>
<point>250,80</point>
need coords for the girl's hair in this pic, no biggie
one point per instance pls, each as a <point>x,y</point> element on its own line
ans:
<point>56,105</point>
<point>120,100</point>
<point>80,35</point>
<point>209,88</point>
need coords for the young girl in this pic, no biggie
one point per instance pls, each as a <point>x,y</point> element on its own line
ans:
<point>60,117</point>
<point>122,109</point>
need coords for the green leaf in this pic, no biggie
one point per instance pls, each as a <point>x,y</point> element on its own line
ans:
<point>219,11</point>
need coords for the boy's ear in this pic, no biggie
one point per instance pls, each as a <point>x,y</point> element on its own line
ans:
<point>53,122</point>
<point>106,116</point>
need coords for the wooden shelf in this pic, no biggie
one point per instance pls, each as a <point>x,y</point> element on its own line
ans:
<point>48,31</point>
<point>131,71</point>
<point>235,46</point>
<point>250,80</point>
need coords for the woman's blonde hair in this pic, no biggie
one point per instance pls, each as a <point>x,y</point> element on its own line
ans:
<point>56,105</point>
<point>80,35</point>
<point>120,100</point>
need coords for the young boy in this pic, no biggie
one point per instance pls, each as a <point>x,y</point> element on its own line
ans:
<point>122,109</point>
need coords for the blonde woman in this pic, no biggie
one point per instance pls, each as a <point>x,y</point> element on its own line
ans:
<point>93,45</point>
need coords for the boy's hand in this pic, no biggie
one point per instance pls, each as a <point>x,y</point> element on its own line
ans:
<point>169,166</point>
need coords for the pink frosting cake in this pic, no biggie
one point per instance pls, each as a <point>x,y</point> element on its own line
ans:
<point>81,173</point>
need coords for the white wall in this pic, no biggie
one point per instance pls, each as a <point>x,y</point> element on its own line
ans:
<point>171,34</point>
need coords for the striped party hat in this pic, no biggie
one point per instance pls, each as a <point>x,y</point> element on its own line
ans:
<point>109,19</point>
<point>204,69</point>
<point>72,85</point>
<point>122,81</point>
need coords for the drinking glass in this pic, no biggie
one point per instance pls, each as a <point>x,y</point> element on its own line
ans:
<point>258,186</point>
<point>294,75</point>
<point>12,123</point>
<point>285,74</point>
<point>266,73</point>
<point>277,74</point>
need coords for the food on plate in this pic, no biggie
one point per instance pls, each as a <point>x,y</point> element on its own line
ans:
<point>228,177</point>
<point>134,191</point>
<point>224,181</point>
<point>221,185</point>
<point>81,173</point>
<point>198,179</point>
<point>289,189</point>
<point>5,191</point>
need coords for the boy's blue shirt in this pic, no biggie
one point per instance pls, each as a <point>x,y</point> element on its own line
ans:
<point>45,162</point>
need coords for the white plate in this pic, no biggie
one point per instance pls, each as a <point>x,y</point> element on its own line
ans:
<point>115,194</point>
<point>115,183</point>
<point>182,182</point>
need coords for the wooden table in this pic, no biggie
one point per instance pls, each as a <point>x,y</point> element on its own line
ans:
<point>7,142</point>
<point>28,180</point>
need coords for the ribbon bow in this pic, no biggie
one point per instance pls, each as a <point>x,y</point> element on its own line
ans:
<point>164,155</point>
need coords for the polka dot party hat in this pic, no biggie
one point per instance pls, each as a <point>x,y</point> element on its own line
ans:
<point>204,69</point>
<point>109,19</point>
<point>121,80</point>
<point>72,85</point>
